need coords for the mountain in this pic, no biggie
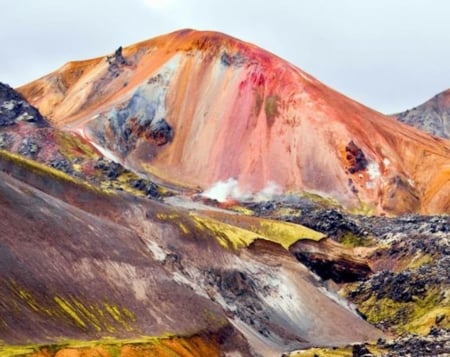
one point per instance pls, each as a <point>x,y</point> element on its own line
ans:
<point>433,116</point>
<point>194,195</point>
<point>192,109</point>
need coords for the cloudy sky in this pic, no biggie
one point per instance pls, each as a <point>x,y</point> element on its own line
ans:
<point>388,54</point>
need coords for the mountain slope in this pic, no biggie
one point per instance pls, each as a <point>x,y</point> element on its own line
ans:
<point>194,108</point>
<point>80,263</point>
<point>433,116</point>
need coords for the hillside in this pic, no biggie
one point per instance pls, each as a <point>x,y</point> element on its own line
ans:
<point>192,109</point>
<point>433,116</point>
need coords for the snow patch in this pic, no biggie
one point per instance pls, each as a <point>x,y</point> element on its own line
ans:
<point>108,154</point>
<point>373,169</point>
<point>159,253</point>
<point>229,189</point>
<point>9,105</point>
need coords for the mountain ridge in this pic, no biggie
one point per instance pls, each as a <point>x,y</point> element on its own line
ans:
<point>433,116</point>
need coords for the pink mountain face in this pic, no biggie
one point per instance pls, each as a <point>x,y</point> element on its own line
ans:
<point>196,108</point>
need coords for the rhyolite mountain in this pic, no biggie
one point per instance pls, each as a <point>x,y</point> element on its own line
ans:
<point>124,258</point>
<point>433,116</point>
<point>194,108</point>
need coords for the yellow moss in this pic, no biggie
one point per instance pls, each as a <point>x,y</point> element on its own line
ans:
<point>120,315</point>
<point>418,316</point>
<point>322,352</point>
<point>379,310</point>
<point>363,208</point>
<point>422,324</point>
<point>419,260</point>
<point>69,310</point>
<point>334,352</point>
<point>426,310</point>
<point>228,236</point>
<point>128,314</point>
<point>286,233</point>
<point>72,146</point>
<point>235,237</point>
<point>123,182</point>
<point>25,295</point>
<point>99,316</point>
<point>241,210</point>
<point>286,211</point>
<point>113,311</point>
<point>183,228</point>
<point>44,170</point>
<point>235,231</point>
<point>326,201</point>
<point>176,219</point>
<point>12,351</point>
<point>91,316</point>
<point>352,240</point>
<point>166,216</point>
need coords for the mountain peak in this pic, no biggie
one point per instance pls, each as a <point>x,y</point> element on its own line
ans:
<point>194,108</point>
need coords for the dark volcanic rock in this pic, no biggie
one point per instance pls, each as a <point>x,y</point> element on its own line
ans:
<point>134,123</point>
<point>331,260</point>
<point>29,148</point>
<point>6,141</point>
<point>110,169</point>
<point>355,157</point>
<point>116,62</point>
<point>360,351</point>
<point>436,344</point>
<point>161,132</point>
<point>239,290</point>
<point>61,164</point>
<point>336,224</point>
<point>14,108</point>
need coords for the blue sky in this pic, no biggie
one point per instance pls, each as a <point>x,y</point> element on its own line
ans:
<point>389,55</point>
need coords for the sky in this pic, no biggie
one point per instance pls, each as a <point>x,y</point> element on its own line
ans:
<point>390,55</point>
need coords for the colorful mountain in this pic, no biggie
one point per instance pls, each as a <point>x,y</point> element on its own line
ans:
<point>192,109</point>
<point>113,241</point>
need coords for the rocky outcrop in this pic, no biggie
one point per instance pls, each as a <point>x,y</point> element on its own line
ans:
<point>116,62</point>
<point>14,108</point>
<point>433,116</point>
<point>331,260</point>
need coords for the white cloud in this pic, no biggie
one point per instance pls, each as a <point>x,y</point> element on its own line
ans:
<point>161,5</point>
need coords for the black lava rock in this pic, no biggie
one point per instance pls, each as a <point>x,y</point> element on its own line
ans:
<point>29,148</point>
<point>14,108</point>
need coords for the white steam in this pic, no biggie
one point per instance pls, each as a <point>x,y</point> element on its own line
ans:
<point>229,189</point>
